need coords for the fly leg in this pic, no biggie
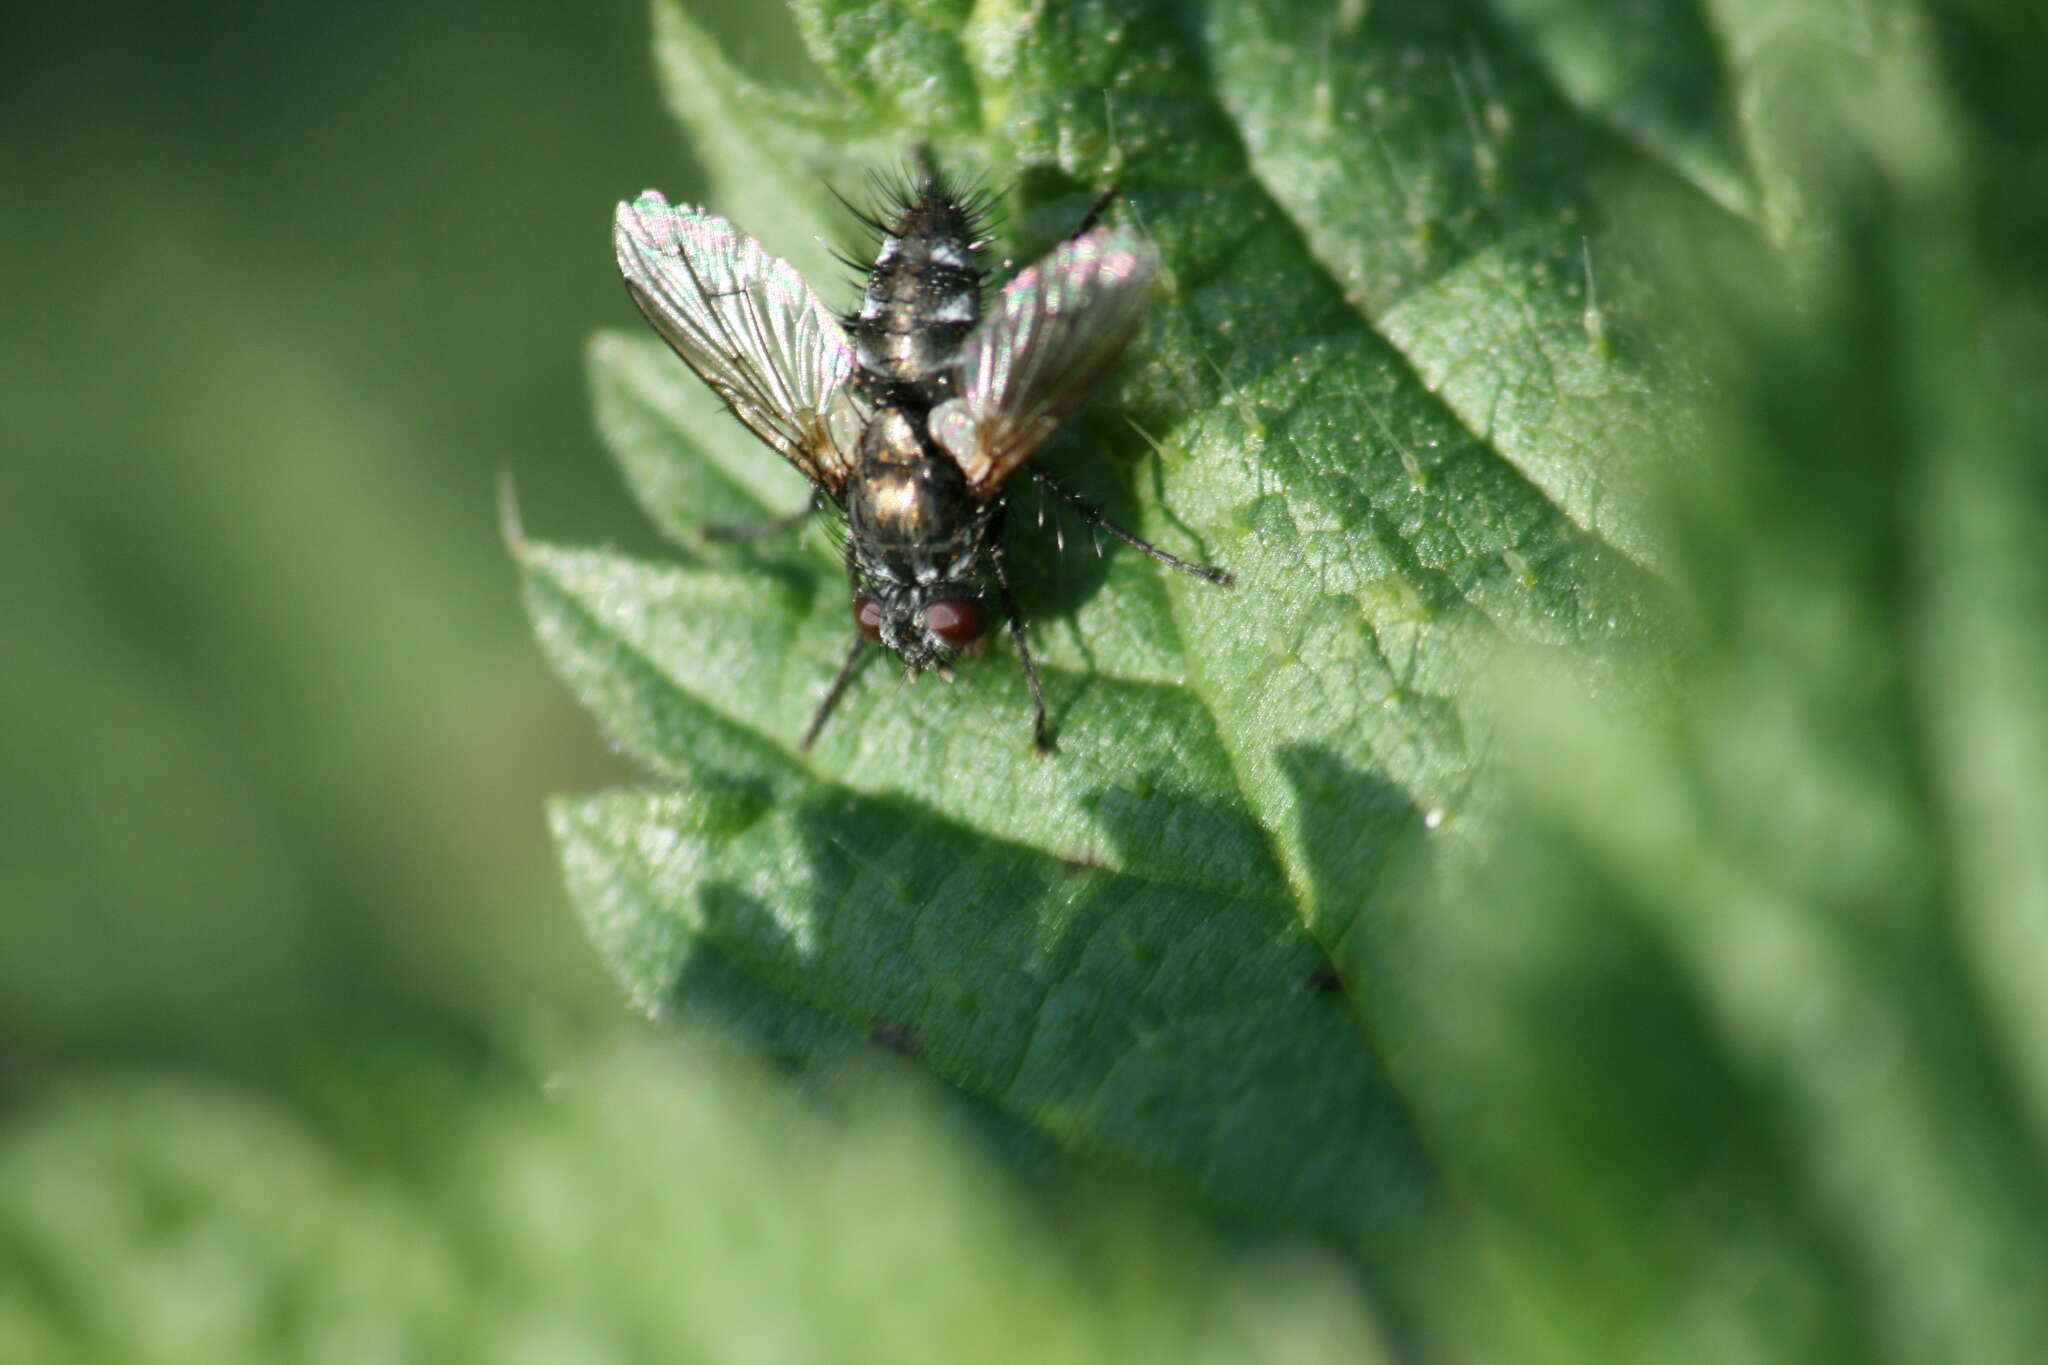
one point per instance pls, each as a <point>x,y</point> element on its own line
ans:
<point>1222,578</point>
<point>1095,211</point>
<point>754,530</point>
<point>1041,737</point>
<point>855,657</point>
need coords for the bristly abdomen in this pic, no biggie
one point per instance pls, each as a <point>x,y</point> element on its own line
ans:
<point>923,293</point>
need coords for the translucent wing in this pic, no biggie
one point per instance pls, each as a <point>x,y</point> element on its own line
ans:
<point>1054,333</point>
<point>749,326</point>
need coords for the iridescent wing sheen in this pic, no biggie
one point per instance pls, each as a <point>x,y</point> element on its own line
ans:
<point>749,326</point>
<point>1053,335</point>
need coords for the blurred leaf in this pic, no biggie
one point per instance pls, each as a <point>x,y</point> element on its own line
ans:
<point>1748,1061</point>
<point>654,1207</point>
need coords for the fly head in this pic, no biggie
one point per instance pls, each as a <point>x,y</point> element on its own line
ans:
<point>926,624</point>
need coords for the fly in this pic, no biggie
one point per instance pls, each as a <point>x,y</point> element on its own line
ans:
<point>910,413</point>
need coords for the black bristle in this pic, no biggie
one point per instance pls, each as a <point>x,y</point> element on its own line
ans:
<point>922,295</point>
<point>875,226</point>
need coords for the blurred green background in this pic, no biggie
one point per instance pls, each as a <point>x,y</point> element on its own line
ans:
<point>285,289</point>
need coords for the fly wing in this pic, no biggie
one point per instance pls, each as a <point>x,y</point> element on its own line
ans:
<point>1053,335</point>
<point>749,326</point>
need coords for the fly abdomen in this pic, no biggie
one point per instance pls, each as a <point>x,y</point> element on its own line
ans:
<point>923,292</point>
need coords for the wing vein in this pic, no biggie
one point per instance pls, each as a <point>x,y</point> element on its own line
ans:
<point>749,327</point>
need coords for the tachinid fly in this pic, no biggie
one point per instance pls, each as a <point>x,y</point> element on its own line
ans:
<point>910,413</point>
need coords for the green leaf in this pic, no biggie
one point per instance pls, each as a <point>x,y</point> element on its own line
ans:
<point>1371,389</point>
<point>1644,403</point>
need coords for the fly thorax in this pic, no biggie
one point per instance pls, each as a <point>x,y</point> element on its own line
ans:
<point>908,510</point>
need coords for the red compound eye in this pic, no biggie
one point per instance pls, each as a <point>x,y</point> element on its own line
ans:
<point>867,614</point>
<point>956,620</point>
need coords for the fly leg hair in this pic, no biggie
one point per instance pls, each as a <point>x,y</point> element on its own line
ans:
<point>1041,737</point>
<point>1222,578</point>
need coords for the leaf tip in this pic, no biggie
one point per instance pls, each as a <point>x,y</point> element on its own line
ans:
<point>510,529</point>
